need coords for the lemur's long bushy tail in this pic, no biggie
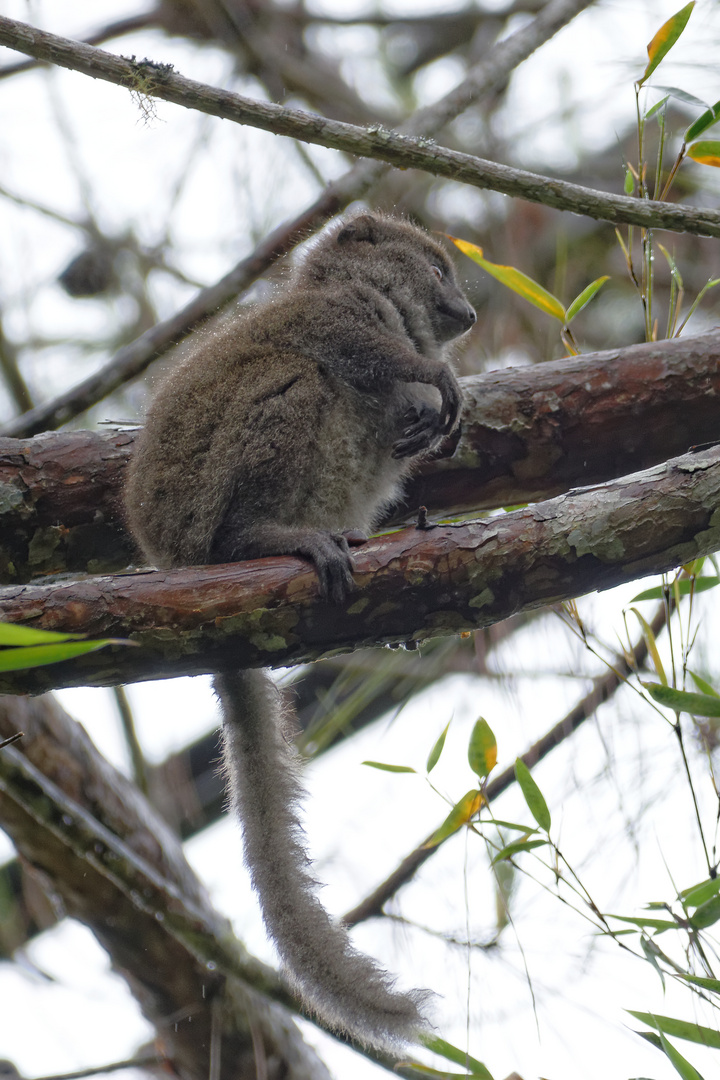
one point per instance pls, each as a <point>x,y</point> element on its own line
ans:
<point>342,986</point>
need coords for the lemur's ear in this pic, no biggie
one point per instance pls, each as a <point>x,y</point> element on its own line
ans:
<point>363,227</point>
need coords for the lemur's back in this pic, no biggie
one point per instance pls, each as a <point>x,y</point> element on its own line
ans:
<point>290,426</point>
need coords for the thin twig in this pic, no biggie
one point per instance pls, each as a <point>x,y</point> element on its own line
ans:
<point>618,671</point>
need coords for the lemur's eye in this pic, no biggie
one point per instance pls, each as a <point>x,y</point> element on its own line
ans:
<point>438,273</point>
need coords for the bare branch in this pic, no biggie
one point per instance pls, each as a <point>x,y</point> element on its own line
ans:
<point>154,80</point>
<point>414,584</point>
<point>130,361</point>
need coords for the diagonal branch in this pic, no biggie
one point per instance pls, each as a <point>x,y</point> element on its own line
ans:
<point>413,584</point>
<point>528,433</point>
<point>621,667</point>
<point>156,81</point>
<point>116,867</point>
<point>130,361</point>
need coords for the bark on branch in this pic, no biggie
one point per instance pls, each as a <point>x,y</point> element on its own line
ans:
<point>114,865</point>
<point>412,584</point>
<point>528,433</point>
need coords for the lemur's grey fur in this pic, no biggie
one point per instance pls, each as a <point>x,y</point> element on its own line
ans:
<point>290,426</point>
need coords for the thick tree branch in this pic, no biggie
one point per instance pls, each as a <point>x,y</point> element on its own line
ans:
<point>154,80</point>
<point>482,79</point>
<point>413,584</point>
<point>528,433</point>
<point>114,865</point>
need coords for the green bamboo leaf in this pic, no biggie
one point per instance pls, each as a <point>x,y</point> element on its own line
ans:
<point>38,655</point>
<point>533,796</point>
<point>452,1053</point>
<point>647,923</point>
<point>460,814</point>
<point>509,825</point>
<point>585,297</point>
<point>440,1074</point>
<point>705,152</point>
<point>665,38</point>
<point>656,107</point>
<point>698,894</point>
<point>651,952</point>
<point>629,183</point>
<point>684,700</point>
<point>673,266</point>
<point>682,95</point>
<point>706,914</point>
<point>680,1029</point>
<point>482,750</point>
<point>434,755</point>
<point>388,768</point>
<point>704,688</point>
<point>685,587</point>
<point>681,1064</point>
<point>514,279</point>
<point>13,634</point>
<point>708,118</point>
<point>516,848</point>
<point>713,985</point>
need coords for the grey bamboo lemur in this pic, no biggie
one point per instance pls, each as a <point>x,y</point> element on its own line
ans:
<point>280,432</point>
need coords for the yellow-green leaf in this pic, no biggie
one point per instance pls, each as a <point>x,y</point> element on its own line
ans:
<point>14,634</point>
<point>514,279</point>
<point>651,646</point>
<point>673,266</point>
<point>533,796</point>
<point>585,297</point>
<point>708,118</point>
<point>482,750</point>
<point>434,755</point>
<point>665,38</point>
<point>461,813</point>
<point>703,687</point>
<point>705,152</point>
<point>684,700</point>
<point>38,655</point>
<point>388,768</point>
